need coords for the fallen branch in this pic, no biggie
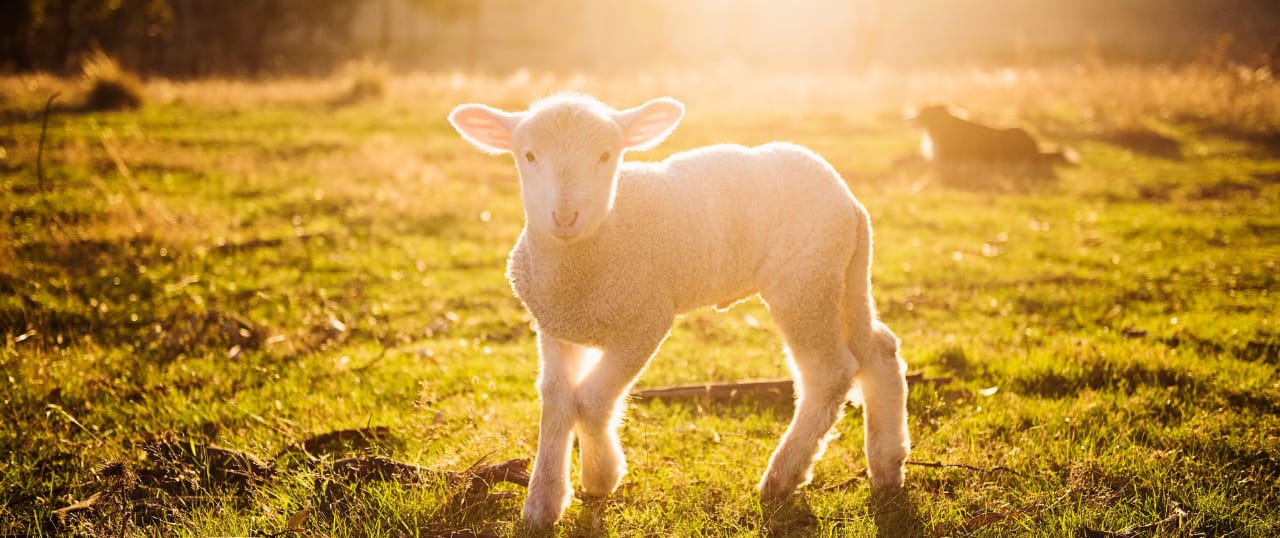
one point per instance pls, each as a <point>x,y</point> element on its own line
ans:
<point>63,513</point>
<point>278,534</point>
<point>847,482</point>
<point>1176,513</point>
<point>719,391</point>
<point>940,465</point>
<point>780,388</point>
<point>515,471</point>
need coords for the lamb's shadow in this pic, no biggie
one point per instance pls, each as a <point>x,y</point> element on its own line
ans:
<point>896,514</point>
<point>788,517</point>
<point>590,519</point>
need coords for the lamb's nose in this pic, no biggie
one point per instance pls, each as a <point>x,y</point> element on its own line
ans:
<point>564,219</point>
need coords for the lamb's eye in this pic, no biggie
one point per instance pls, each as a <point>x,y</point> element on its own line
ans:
<point>604,157</point>
<point>528,156</point>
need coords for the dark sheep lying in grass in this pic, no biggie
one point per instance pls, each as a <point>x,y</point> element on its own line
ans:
<point>949,138</point>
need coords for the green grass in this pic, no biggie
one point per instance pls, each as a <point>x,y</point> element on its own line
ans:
<point>180,271</point>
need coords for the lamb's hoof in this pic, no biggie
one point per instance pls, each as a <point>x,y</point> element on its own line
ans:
<point>887,482</point>
<point>598,492</point>
<point>541,513</point>
<point>773,489</point>
<point>601,485</point>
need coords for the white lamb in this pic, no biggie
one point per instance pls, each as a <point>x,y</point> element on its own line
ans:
<point>612,252</point>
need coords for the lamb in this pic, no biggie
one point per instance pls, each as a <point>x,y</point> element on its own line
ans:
<point>612,252</point>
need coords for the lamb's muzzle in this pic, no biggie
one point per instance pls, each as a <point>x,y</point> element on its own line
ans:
<point>564,221</point>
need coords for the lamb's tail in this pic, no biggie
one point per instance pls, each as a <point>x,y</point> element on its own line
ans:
<point>857,309</point>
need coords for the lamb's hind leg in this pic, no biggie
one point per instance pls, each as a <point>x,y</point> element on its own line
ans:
<point>823,368</point>
<point>884,395</point>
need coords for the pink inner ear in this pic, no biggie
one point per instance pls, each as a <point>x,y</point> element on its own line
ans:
<point>647,127</point>
<point>653,121</point>
<point>482,127</point>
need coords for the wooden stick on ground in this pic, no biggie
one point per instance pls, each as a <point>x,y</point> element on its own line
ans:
<point>777,388</point>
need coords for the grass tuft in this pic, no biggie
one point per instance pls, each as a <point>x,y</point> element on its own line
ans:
<point>369,81</point>
<point>108,86</point>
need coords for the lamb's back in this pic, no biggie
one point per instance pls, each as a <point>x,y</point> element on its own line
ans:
<point>711,218</point>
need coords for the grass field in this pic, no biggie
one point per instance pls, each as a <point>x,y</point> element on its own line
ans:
<point>252,265</point>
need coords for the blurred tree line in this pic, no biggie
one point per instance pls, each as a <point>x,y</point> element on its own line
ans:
<point>191,37</point>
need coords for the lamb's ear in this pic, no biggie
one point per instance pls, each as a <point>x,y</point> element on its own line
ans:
<point>645,126</point>
<point>486,127</point>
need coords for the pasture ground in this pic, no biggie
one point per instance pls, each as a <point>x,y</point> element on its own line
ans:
<point>254,264</point>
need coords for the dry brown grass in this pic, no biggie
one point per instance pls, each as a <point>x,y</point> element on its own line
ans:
<point>108,86</point>
<point>27,92</point>
<point>368,82</point>
<point>1108,97</point>
<point>239,94</point>
<point>1105,97</point>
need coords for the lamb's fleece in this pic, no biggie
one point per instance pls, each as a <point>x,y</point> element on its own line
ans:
<point>705,227</point>
<point>611,253</point>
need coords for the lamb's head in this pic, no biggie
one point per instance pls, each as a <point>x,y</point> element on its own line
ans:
<point>567,149</point>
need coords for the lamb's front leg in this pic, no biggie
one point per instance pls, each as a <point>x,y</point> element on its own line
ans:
<point>560,368</point>
<point>601,402</point>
